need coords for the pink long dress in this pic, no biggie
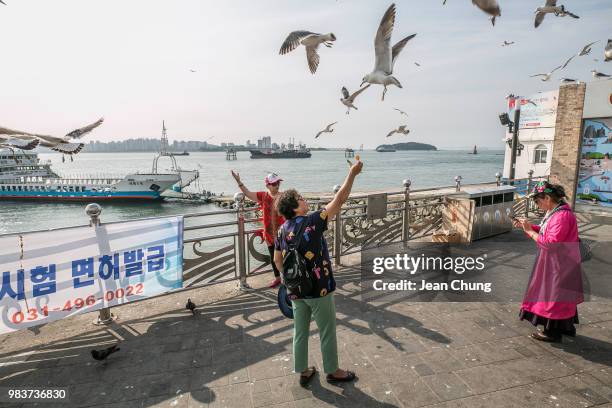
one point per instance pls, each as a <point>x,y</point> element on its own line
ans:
<point>555,287</point>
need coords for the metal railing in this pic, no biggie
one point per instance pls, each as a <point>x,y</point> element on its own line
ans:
<point>223,245</point>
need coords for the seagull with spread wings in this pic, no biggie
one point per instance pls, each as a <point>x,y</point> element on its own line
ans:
<point>59,144</point>
<point>551,8</point>
<point>348,99</point>
<point>401,112</point>
<point>385,54</point>
<point>587,49</point>
<point>327,129</point>
<point>311,42</point>
<point>599,75</point>
<point>402,130</point>
<point>11,143</point>
<point>547,76</point>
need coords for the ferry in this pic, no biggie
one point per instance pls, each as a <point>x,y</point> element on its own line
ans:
<point>23,176</point>
<point>291,152</point>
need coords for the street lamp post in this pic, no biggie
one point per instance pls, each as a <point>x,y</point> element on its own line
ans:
<point>515,135</point>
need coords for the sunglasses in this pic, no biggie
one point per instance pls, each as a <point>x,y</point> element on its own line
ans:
<point>274,184</point>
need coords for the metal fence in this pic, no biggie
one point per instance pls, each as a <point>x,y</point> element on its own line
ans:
<point>227,244</point>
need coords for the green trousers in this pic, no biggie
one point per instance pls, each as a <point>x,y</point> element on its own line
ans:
<point>324,312</point>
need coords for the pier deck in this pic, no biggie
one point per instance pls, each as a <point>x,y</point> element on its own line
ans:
<point>237,353</point>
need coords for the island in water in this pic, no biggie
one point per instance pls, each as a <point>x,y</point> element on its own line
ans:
<point>406,146</point>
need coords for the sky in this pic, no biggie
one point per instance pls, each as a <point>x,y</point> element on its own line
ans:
<point>65,63</point>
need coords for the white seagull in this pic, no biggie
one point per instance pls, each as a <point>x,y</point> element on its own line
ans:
<point>546,77</point>
<point>587,49</point>
<point>58,144</point>
<point>402,129</point>
<point>491,7</point>
<point>401,112</point>
<point>608,51</point>
<point>599,75</point>
<point>327,129</point>
<point>385,55</point>
<point>347,99</point>
<point>551,7</point>
<point>506,43</point>
<point>311,42</point>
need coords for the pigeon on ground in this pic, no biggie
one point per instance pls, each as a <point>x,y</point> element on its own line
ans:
<point>599,75</point>
<point>327,129</point>
<point>385,54</point>
<point>608,51</point>
<point>551,7</point>
<point>491,7</point>
<point>101,355</point>
<point>587,49</point>
<point>191,306</point>
<point>311,42</point>
<point>402,129</point>
<point>348,100</point>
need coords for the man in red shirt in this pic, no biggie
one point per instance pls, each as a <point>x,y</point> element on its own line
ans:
<point>272,220</point>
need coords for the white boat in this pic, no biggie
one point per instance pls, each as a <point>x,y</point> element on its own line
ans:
<point>24,177</point>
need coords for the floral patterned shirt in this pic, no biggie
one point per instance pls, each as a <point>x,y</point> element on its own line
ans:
<point>313,247</point>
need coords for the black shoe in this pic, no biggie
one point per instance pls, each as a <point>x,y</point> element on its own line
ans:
<point>546,337</point>
<point>305,378</point>
<point>350,376</point>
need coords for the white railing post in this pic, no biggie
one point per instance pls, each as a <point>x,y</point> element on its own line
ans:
<point>94,210</point>
<point>337,232</point>
<point>242,273</point>
<point>458,183</point>
<point>406,217</point>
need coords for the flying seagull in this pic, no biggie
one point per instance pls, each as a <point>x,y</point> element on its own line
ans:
<point>608,51</point>
<point>327,129</point>
<point>417,64</point>
<point>402,129</point>
<point>491,7</point>
<point>11,143</point>
<point>385,55</point>
<point>568,80</point>
<point>309,40</point>
<point>192,70</point>
<point>587,49</point>
<point>347,99</point>
<point>547,76</point>
<point>58,144</point>
<point>551,7</point>
<point>401,112</point>
<point>2,2</point>
<point>599,75</point>
<point>507,43</point>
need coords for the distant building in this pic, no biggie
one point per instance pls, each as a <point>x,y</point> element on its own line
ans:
<point>264,143</point>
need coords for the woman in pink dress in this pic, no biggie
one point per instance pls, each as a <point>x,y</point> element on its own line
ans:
<point>555,286</point>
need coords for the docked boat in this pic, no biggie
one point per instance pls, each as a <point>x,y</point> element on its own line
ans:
<point>23,176</point>
<point>385,149</point>
<point>301,152</point>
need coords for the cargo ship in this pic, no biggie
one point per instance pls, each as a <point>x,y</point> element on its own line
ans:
<point>301,152</point>
<point>23,176</point>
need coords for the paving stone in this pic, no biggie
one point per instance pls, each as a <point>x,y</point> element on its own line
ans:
<point>447,386</point>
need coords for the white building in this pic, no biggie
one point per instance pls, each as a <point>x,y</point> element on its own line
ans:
<point>536,135</point>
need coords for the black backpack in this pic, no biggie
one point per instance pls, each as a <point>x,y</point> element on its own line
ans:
<point>297,275</point>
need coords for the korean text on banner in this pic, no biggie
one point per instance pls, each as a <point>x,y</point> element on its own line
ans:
<point>46,276</point>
